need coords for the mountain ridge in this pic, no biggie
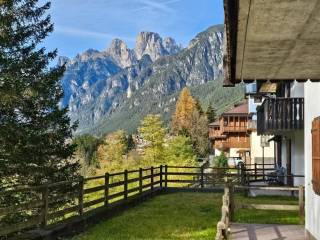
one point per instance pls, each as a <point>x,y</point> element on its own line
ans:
<point>107,85</point>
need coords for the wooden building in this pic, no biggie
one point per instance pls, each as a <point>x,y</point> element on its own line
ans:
<point>230,132</point>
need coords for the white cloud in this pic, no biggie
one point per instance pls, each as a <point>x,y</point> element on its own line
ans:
<point>88,33</point>
<point>156,5</point>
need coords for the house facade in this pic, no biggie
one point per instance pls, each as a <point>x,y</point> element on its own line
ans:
<point>230,133</point>
<point>235,134</point>
<point>279,42</point>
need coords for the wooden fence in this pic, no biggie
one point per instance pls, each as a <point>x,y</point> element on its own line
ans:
<point>229,207</point>
<point>227,212</point>
<point>42,209</point>
<point>47,205</point>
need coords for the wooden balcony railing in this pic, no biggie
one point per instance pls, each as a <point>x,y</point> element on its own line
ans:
<point>277,115</point>
<point>229,128</point>
<point>227,145</point>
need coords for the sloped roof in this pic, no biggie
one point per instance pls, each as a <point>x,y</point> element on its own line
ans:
<point>215,123</point>
<point>238,109</point>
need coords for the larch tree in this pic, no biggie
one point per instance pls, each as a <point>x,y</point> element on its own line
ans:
<point>35,133</point>
<point>186,104</point>
<point>153,132</point>
<point>112,151</point>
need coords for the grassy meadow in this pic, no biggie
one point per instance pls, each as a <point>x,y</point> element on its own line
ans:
<point>184,216</point>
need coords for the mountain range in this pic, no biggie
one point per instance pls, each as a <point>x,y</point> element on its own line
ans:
<point>115,88</point>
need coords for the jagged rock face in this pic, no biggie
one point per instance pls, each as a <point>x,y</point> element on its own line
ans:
<point>121,54</point>
<point>105,86</point>
<point>152,44</point>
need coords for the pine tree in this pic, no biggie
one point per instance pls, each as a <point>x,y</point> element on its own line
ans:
<point>211,114</point>
<point>35,133</point>
<point>198,106</point>
<point>130,143</point>
<point>185,106</point>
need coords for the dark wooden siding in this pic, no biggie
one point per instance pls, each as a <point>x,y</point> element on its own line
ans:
<point>316,155</point>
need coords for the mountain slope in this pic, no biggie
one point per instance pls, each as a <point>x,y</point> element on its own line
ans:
<point>154,88</point>
<point>116,88</point>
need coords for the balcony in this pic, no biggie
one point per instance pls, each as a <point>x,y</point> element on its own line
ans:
<point>234,128</point>
<point>228,145</point>
<point>278,115</point>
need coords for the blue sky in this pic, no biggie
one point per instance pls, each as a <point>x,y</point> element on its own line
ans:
<point>83,24</point>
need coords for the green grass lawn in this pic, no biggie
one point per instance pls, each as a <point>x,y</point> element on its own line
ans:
<point>171,216</point>
<point>184,216</point>
<point>266,216</point>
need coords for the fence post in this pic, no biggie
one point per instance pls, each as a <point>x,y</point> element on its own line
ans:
<point>140,180</point>
<point>152,180</point>
<point>301,203</point>
<point>161,176</point>
<point>255,171</point>
<point>106,189</point>
<point>45,207</point>
<point>125,185</point>
<point>166,176</point>
<point>81,188</point>
<point>231,203</point>
<point>201,178</point>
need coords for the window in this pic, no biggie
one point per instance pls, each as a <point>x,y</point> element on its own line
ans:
<point>316,155</point>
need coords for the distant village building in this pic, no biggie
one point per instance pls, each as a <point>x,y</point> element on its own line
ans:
<point>234,133</point>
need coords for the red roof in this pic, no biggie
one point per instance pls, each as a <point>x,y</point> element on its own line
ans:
<point>238,109</point>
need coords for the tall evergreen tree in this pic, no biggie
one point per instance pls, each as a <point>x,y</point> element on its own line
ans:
<point>211,114</point>
<point>35,133</point>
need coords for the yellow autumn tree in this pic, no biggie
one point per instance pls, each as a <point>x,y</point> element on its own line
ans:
<point>111,153</point>
<point>185,106</point>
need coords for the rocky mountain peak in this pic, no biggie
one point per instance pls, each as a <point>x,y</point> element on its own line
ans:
<point>150,43</point>
<point>171,46</point>
<point>62,60</point>
<point>121,54</point>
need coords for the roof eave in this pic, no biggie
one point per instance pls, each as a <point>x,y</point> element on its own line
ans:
<point>231,9</point>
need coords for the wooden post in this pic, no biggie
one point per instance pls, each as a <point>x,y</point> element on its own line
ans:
<point>160,176</point>
<point>140,180</point>
<point>125,185</point>
<point>106,189</point>
<point>80,197</point>
<point>255,171</point>
<point>231,203</point>
<point>201,178</point>
<point>166,176</point>
<point>301,203</point>
<point>152,180</point>
<point>45,207</point>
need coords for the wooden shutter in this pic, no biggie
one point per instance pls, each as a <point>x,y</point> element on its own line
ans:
<point>316,155</point>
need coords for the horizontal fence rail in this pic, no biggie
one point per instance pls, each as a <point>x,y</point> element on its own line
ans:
<point>51,204</point>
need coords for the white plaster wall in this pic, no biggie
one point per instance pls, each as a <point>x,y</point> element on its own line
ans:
<point>234,152</point>
<point>297,156</point>
<point>217,152</point>
<point>312,110</point>
<point>297,89</point>
<point>256,149</point>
